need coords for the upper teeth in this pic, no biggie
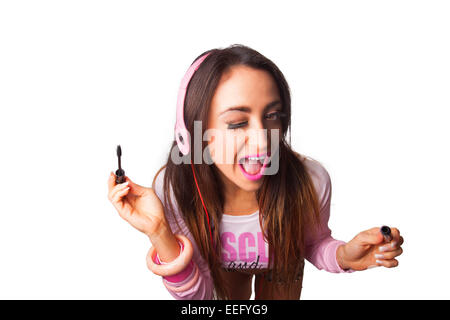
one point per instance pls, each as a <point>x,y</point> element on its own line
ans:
<point>256,158</point>
<point>260,159</point>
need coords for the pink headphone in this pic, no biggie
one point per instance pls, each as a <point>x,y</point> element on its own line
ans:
<point>181,133</point>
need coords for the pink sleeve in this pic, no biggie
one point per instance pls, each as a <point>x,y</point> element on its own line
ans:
<point>195,281</point>
<point>321,248</point>
<point>186,284</point>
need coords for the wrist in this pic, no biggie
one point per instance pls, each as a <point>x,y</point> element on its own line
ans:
<point>181,266</point>
<point>341,257</point>
<point>158,232</point>
<point>165,243</point>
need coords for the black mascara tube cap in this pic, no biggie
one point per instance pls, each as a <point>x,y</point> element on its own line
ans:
<point>386,232</point>
<point>120,176</point>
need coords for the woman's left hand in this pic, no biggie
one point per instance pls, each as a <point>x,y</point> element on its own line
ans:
<point>368,249</point>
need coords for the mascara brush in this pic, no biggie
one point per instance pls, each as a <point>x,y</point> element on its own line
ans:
<point>120,174</point>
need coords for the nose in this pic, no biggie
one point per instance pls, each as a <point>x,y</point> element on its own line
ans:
<point>257,139</point>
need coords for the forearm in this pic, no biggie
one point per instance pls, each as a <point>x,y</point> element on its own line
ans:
<point>165,243</point>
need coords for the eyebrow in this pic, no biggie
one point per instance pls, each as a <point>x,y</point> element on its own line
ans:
<point>248,109</point>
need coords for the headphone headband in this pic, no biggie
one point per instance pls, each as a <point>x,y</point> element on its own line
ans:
<point>181,133</point>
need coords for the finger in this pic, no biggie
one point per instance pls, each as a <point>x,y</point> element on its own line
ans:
<point>389,255</point>
<point>371,236</point>
<point>387,263</point>
<point>117,188</point>
<point>395,235</point>
<point>134,187</point>
<point>396,244</point>
<point>391,246</point>
<point>118,196</point>
<point>400,242</point>
<point>111,181</point>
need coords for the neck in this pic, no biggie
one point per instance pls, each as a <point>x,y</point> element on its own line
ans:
<point>239,201</point>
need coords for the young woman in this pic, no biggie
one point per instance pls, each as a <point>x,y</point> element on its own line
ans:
<point>215,224</point>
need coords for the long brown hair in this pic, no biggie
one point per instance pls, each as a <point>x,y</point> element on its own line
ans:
<point>287,200</point>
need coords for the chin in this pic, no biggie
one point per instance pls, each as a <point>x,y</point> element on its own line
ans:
<point>248,186</point>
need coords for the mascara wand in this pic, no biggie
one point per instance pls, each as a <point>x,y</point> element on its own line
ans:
<point>120,174</point>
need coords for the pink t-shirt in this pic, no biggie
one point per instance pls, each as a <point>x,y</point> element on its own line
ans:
<point>243,245</point>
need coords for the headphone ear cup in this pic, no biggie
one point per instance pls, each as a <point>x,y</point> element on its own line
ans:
<point>181,133</point>
<point>182,139</point>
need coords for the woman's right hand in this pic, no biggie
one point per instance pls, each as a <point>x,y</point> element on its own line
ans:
<point>138,205</point>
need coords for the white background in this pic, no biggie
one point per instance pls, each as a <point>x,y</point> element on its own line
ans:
<point>370,95</point>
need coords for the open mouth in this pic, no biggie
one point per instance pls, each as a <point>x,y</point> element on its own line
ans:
<point>253,166</point>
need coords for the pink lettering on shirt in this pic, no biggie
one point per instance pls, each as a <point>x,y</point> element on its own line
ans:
<point>228,251</point>
<point>244,249</point>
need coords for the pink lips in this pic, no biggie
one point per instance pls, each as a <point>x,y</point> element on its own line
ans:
<point>257,176</point>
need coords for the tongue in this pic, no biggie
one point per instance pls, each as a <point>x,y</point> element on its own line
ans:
<point>252,168</point>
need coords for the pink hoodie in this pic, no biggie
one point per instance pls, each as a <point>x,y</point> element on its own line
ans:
<point>243,245</point>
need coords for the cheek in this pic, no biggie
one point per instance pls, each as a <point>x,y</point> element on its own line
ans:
<point>223,153</point>
<point>224,150</point>
<point>228,170</point>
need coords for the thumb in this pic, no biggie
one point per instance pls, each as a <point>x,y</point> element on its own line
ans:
<point>371,236</point>
<point>134,187</point>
